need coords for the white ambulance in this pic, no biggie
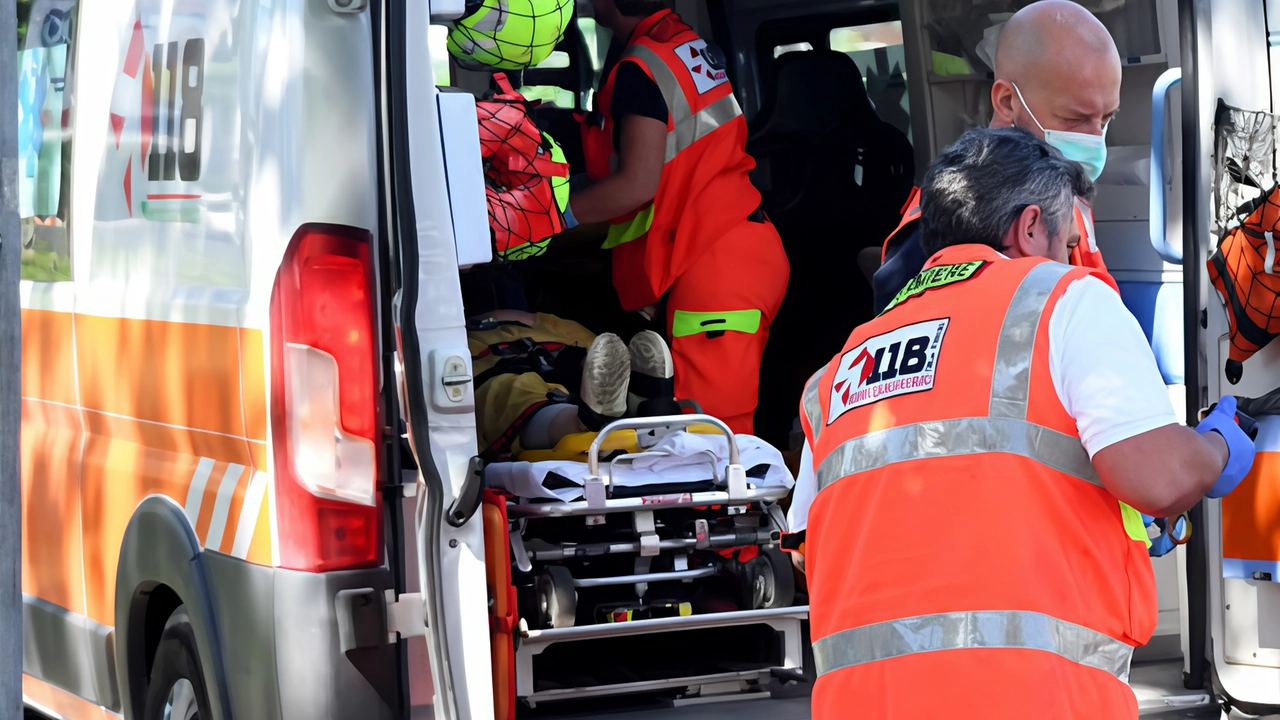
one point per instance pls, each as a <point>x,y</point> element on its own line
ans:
<point>247,227</point>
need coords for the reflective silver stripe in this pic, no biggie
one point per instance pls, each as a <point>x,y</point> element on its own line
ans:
<point>1012,629</point>
<point>813,408</point>
<point>951,438</point>
<point>1011,377</point>
<point>703,123</point>
<point>688,127</point>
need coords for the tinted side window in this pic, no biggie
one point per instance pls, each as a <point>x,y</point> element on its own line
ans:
<point>46,60</point>
<point>877,49</point>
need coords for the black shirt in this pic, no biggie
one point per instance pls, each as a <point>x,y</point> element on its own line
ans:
<point>635,93</point>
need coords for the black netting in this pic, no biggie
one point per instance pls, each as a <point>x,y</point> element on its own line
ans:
<point>523,171</point>
<point>508,34</point>
<point>1245,153</point>
<point>1247,216</point>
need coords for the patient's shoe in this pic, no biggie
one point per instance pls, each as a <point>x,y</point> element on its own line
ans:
<point>605,375</point>
<point>652,387</point>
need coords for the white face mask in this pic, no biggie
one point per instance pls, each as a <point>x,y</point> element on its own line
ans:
<point>1088,150</point>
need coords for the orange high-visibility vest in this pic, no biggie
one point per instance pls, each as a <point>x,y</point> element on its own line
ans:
<point>963,556</point>
<point>1086,254</point>
<point>704,191</point>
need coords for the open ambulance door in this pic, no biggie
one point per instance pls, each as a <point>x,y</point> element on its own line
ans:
<point>436,210</point>
<point>1230,54</point>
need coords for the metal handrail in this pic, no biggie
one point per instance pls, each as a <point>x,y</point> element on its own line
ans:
<point>653,423</point>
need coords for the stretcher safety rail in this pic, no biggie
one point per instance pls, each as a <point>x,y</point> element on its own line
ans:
<point>596,485</point>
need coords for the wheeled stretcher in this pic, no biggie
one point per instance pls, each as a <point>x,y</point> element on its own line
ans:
<point>649,563</point>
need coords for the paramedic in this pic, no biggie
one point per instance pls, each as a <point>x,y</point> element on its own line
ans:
<point>982,451</point>
<point>525,363</point>
<point>1057,76</point>
<point>667,154</point>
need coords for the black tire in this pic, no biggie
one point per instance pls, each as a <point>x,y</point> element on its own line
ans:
<point>769,581</point>
<point>176,676</point>
<point>557,598</point>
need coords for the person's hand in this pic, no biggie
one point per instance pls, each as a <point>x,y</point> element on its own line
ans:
<point>1163,544</point>
<point>1240,451</point>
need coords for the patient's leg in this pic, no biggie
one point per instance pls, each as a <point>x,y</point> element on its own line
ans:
<point>526,407</point>
<point>549,424</point>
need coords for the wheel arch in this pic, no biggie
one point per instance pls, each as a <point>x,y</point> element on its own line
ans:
<point>162,566</point>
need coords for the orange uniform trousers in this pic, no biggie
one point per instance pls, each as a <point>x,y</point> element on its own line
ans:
<point>746,270</point>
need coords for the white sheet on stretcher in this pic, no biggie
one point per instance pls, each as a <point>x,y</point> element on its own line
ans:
<point>680,457</point>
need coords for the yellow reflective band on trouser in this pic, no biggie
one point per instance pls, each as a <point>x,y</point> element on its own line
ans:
<point>688,127</point>
<point>684,322</point>
<point>1133,525</point>
<point>1009,629</point>
<point>625,232</point>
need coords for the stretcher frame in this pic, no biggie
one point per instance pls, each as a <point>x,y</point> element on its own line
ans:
<point>736,496</point>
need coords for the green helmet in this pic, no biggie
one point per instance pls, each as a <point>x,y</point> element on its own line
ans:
<point>559,183</point>
<point>508,34</point>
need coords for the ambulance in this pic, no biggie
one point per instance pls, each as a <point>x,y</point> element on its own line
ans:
<point>249,482</point>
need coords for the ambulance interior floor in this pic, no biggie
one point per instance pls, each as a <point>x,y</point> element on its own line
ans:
<point>1158,686</point>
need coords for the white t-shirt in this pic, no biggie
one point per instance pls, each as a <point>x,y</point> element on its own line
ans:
<point>1102,368</point>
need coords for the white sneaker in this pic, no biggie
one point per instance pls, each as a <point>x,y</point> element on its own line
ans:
<point>652,370</point>
<point>605,376</point>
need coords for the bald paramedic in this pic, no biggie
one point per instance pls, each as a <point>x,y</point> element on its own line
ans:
<point>666,151</point>
<point>1057,76</point>
<point>977,457</point>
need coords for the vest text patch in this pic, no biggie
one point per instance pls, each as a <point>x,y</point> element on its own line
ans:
<point>896,363</point>
<point>706,65</point>
<point>935,277</point>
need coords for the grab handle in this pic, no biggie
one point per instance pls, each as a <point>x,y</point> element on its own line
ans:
<point>1157,220</point>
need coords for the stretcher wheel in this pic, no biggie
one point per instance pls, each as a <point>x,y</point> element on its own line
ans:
<point>557,598</point>
<point>769,580</point>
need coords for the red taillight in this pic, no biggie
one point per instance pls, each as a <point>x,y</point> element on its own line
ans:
<point>324,402</point>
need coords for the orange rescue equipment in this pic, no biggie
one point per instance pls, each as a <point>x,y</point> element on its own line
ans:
<point>502,607</point>
<point>1242,270</point>
<point>526,175</point>
<point>962,552</point>
<point>704,191</point>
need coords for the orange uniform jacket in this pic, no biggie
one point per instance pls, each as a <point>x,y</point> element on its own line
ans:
<point>704,192</point>
<point>962,555</point>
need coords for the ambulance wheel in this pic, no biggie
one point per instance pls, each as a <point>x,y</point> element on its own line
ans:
<point>769,581</point>
<point>557,598</point>
<point>176,690</point>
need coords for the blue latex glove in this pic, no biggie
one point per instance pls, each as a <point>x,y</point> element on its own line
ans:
<point>570,222</point>
<point>1239,447</point>
<point>1164,544</point>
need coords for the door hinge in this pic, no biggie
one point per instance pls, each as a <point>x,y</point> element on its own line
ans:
<point>404,616</point>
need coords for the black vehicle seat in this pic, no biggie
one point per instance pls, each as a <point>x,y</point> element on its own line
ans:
<point>834,177</point>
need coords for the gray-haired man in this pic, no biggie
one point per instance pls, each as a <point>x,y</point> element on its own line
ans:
<point>1002,396</point>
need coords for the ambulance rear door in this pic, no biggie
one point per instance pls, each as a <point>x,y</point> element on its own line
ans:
<point>1230,52</point>
<point>431,156</point>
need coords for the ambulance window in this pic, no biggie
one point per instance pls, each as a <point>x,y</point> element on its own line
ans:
<point>438,45</point>
<point>46,55</point>
<point>877,49</point>
<point>557,79</point>
<point>551,94</point>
